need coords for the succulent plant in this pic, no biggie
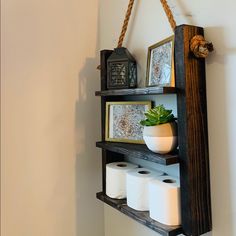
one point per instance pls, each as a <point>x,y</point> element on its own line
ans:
<point>158,115</point>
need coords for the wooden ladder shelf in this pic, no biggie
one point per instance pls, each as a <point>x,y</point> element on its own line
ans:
<point>192,135</point>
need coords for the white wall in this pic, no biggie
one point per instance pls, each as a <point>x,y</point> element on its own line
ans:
<point>148,26</point>
<point>50,118</point>
<point>50,169</point>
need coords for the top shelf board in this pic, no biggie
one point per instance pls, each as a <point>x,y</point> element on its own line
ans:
<point>137,91</point>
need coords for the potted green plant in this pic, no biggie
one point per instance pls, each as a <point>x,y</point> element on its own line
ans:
<point>160,130</point>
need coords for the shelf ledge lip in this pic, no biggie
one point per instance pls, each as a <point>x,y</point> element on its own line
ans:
<point>137,91</point>
<point>139,216</point>
<point>139,151</point>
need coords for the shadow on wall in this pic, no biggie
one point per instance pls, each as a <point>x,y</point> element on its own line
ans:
<point>219,129</point>
<point>88,169</point>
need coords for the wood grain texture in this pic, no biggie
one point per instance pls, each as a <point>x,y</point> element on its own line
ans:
<point>139,151</point>
<point>137,91</point>
<point>193,134</point>
<point>140,216</point>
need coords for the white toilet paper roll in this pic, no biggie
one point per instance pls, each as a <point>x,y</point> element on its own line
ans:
<point>137,187</point>
<point>164,200</point>
<point>116,179</point>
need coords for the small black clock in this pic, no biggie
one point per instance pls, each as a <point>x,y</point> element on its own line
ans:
<point>121,70</point>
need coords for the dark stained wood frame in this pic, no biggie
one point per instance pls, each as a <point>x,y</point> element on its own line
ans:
<point>140,216</point>
<point>137,91</point>
<point>193,137</point>
<point>193,134</point>
<point>140,151</point>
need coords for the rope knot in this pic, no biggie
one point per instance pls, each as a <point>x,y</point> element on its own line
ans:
<point>200,47</point>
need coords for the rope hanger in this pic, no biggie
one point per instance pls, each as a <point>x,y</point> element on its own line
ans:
<point>198,45</point>
<point>128,14</point>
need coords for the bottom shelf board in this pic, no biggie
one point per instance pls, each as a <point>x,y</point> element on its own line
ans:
<point>140,216</point>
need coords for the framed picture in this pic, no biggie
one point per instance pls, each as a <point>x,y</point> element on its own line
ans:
<point>123,121</point>
<point>160,64</point>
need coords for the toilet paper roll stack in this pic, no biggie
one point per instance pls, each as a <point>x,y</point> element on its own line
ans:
<point>164,200</point>
<point>116,179</point>
<point>137,187</point>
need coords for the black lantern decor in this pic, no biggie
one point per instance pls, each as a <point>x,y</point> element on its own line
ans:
<point>121,70</point>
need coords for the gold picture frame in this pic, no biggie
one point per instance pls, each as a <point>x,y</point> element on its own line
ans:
<point>160,64</point>
<point>122,121</point>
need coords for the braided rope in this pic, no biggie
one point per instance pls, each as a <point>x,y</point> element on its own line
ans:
<point>199,46</point>
<point>169,14</point>
<point>166,8</point>
<point>125,24</point>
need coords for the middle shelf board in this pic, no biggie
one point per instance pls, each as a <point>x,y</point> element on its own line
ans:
<point>140,216</point>
<point>139,151</point>
<point>137,91</point>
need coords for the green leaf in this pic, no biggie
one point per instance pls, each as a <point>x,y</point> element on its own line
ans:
<point>157,115</point>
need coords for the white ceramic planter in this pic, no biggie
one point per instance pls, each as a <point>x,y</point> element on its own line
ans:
<point>161,138</point>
